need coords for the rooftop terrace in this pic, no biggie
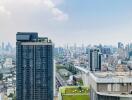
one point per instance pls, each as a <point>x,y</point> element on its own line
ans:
<point>112,77</point>
<point>74,93</point>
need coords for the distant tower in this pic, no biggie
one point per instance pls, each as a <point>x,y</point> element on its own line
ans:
<point>127,49</point>
<point>3,46</point>
<point>95,59</point>
<point>34,67</point>
<point>120,45</point>
<point>90,51</point>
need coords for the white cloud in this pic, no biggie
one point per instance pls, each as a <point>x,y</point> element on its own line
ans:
<point>40,16</point>
<point>58,14</point>
<point>4,11</point>
<point>58,2</point>
<point>50,5</point>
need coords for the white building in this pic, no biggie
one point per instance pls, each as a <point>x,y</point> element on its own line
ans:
<point>109,85</point>
<point>10,90</point>
<point>8,63</point>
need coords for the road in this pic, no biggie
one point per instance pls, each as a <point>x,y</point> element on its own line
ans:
<point>60,81</point>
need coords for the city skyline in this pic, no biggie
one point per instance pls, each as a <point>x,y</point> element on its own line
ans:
<point>66,21</point>
<point>73,44</point>
<point>31,71</point>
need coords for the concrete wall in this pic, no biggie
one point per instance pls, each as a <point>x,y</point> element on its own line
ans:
<point>129,87</point>
<point>125,98</point>
<point>85,79</point>
<point>102,87</point>
<point>123,88</point>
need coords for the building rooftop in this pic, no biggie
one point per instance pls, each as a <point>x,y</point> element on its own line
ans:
<point>108,76</point>
<point>74,89</point>
<point>74,93</point>
<point>112,77</point>
<point>31,37</point>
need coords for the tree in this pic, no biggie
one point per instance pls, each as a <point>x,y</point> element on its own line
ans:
<point>11,95</point>
<point>1,76</point>
<point>14,98</point>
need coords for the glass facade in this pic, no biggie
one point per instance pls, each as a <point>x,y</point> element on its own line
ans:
<point>34,71</point>
<point>94,59</point>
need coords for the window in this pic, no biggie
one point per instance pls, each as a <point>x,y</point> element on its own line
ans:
<point>109,87</point>
<point>116,87</point>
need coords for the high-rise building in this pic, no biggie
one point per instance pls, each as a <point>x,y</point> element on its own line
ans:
<point>3,46</point>
<point>34,67</point>
<point>94,59</point>
<point>106,50</point>
<point>130,55</point>
<point>127,49</point>
<point>90,59</point>
<point>120,45</point>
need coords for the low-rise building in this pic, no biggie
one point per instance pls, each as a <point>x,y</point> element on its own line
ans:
<point>10,90</point>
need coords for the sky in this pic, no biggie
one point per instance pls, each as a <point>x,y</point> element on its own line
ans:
<point>68,21</point>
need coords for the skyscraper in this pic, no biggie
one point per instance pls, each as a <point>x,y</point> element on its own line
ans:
<point>94,59</point>
<point>90,59</point>
<point>3,46</point>
<point>34,67</point>
<point>120,45</point>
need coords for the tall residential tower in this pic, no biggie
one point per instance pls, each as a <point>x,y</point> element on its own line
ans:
<point>94,59</point>
<point>34,67</point>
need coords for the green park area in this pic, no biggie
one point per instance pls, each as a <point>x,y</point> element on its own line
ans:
<point>76,97</point>
<point>75,93</point>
